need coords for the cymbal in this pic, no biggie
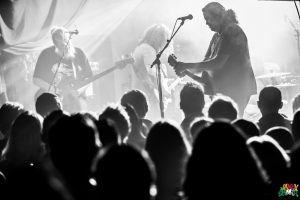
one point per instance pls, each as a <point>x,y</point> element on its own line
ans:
<point>284,85</point>
<point>273,75</point>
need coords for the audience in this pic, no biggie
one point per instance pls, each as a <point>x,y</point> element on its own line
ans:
<point>295,161</point>
<point>135,137</point>
<point>296,103</point>
<point>24,145</point>
<point>223,107</point>
<point>249,128</point>
<point>273,159</point>
<point>120,117</point>
<point>138,100</point>
<point>296,126</point>
<point>108,133</point>
<point>120,154</point>
<point>221,162</point>
<point>283,136</point>
<point>46,103</point>
<point>9,111</point>
<point>198,124</point>
<point>48,123</point>
<point>269,103</point>
<point>169,149</point>
<point>73,143</point>
<point>122,172</point>
<point>192,104</point>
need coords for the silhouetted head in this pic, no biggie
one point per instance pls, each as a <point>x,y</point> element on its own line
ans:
<point>108,133</point>
<point>138,100</point>
<point>296,103</point>
<point>24,143</point>
<point>122,172</point>
<point>117,113</point>
<point>191,99</point>
<point>223,107</point>
<point>296,126</point>
<point>273,158</point>
<point>283,136</point>
<point>135,136</point>
<point>49,121</point>
<point>198,124</point>
<point>169,149</point>
<point>73,142</point>
<point>9,111</point>
<point>249,128</point>
<point>220,154</point>
<point>269,100</point>
<point>46,103</point>
<point>164,140</point>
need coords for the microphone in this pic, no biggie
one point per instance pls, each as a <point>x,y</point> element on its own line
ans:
<point>190,17</point>
<point>75,32</point>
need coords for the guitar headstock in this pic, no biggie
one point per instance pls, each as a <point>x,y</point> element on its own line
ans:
<point>126,60</point>
<point>172,60</point>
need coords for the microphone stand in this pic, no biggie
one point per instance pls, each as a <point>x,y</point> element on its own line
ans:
<point>157,62</point>
<point>58,66</point>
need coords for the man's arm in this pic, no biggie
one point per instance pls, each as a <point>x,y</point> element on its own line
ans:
<point>210,64</point>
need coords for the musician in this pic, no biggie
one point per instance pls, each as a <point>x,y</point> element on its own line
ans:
<point>227,59</point>
<point>145,77</point>
<point>63,65</point>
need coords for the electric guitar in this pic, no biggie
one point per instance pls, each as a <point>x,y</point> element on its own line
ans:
<point>69,89</point>
<point>205,79</point>
<point>70,84</point>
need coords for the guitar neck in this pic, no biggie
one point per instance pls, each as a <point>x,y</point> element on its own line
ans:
<point>91,79</point>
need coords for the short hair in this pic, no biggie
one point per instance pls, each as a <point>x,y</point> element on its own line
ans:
<point>138,100</point>
<point>192,98</point>
<point>223,107</point>
<point>270,98</point>
<point>46,103</point>
<point>117,113</point>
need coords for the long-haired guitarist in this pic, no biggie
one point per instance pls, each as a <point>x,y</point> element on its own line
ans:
<point>227,58</point>
<point>60,66</point>
<point>145,77</point>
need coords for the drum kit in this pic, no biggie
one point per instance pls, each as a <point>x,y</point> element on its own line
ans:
<point>279,79</point>
<point>286,82</point>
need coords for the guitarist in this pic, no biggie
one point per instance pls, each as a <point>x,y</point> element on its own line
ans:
<point>145,77</point>
<point>62,65</point>
<point>227,59</point>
